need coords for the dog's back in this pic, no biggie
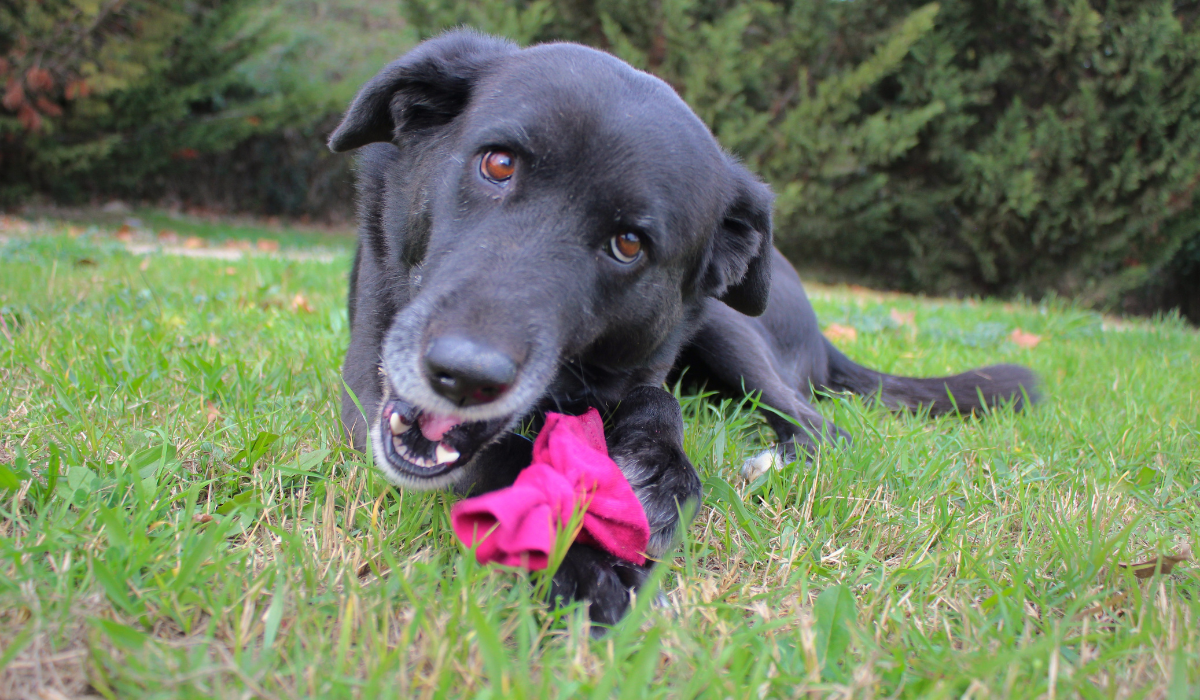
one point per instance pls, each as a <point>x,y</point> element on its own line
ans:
<point>782,356</point>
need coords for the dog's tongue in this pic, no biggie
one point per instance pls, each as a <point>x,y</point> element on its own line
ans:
<point>433,426</point>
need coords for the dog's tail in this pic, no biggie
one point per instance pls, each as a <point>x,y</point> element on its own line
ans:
<point>965,393</point>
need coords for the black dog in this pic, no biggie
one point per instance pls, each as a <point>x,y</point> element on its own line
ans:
<point>550,229</point>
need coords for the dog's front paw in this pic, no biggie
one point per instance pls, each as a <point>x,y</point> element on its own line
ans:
<point>762,463</point>
<point>601,579</point>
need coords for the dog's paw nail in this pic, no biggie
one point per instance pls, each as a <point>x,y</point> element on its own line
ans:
<point>760,464</point>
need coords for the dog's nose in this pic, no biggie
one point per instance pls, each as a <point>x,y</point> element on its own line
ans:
<point>467,372</point>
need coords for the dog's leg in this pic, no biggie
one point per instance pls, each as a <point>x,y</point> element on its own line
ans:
<point>733,351</point>
<point>645,439</point>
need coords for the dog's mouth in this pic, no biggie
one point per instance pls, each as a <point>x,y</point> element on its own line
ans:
<point>426,445</point>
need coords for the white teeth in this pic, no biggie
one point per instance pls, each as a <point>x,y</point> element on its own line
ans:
<point>412,458</point>
<point>445,455</point>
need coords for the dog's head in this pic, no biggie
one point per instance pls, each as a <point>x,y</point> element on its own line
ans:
<point>556,219</point>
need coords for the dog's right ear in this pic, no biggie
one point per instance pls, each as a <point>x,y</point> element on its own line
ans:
<point>427,87</point>
<point>739,266</point>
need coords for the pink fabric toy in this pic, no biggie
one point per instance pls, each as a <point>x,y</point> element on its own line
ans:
<point>571,468</point>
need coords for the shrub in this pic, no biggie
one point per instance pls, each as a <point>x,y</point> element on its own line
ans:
<point>102,94</point>
<point>1068,152</point>
<point>1003,147</point>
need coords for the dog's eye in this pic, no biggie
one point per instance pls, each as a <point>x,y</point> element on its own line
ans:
<point>626,247</point>
<point>497,166</point>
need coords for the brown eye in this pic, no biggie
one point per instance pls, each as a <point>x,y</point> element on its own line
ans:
<point>497,166</point>
<point>625,247</point>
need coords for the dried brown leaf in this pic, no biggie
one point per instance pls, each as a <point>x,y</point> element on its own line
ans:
<point>194,243</point>
<point>29,117</point>
<point>14,95</point>
<point>1109,603</point>
<point>300,303</point>
<point>268,245</point>
<point>836,331</point>
<point>39,79</point>
<point>904,318</point>
<point>48,107</point>
<point>76,89</point>
<point>1164,563</point>
<point>1023,339</point>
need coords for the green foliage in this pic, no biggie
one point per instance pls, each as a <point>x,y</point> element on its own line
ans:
<point>315,57</point>
<point>1008,147</point>
<point>1012,147</point>
<point>111,92</point>
<point>1067,154</point>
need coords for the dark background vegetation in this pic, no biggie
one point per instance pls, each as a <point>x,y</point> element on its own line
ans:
<point>1000,147</point>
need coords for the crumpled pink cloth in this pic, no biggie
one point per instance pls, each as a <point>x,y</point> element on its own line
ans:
<point>571,468</point>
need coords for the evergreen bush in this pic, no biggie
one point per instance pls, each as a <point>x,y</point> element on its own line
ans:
<point>100,95</point>
<point>1068,153</point>
<point>965,147</point>
<point>996,146</point>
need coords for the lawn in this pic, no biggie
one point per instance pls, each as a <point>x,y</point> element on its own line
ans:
<point>179,516</point>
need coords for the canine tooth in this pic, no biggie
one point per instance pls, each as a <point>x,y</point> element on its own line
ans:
<point>445,455</point>
<point>397,424</point>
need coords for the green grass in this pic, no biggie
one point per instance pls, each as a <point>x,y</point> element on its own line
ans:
<point>215,231</point>
<point>180,518</point>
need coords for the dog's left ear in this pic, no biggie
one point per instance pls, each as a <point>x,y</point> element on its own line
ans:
<point>426,88</point>
<point>739,265</point>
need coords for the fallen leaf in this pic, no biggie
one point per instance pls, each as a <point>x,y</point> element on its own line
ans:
<point>268,245</point>
<point>125,233</point>
<point>211,412</point>
<point>1110,602</point>
<point>1023,339</point>
<point>300,303</point>
<point>145,264</point>
<point>836,331</point>
<point>1164,563</point>
<point>168,236</point>
<point>75,231</point>
<point>231,271</point>
<point>85,262</point>
<point>904,318</point>
<point>39,79</point>
<point>238,244</point>
<point>194,243</point>
<point>202,518</point>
